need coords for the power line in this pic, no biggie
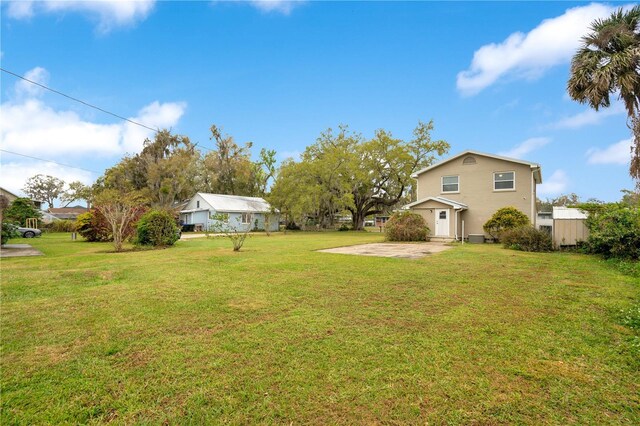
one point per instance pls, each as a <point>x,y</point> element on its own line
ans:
<point>83,103</point>
<point>78,100</point>
<point>49,161</point>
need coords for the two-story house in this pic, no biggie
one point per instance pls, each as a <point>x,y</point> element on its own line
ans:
<point>465,190</point>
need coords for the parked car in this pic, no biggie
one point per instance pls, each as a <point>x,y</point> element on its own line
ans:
<point>29,232</point>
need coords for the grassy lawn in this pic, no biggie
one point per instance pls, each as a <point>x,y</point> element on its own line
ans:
<point>279,333</point>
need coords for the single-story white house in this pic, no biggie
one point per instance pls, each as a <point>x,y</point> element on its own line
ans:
<point>239,213</point>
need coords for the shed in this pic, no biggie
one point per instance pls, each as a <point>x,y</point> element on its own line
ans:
<point>569,226</point>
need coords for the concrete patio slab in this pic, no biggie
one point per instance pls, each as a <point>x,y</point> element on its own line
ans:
<point>400,250</point>
<point>18,250</point>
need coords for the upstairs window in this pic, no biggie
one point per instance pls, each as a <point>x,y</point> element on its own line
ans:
<point>197,204</point>
<point>504,181</point>
<point>450,183</point>
<point>469,160</point>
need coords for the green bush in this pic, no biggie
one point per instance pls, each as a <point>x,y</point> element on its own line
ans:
<point>92,226</point>
<point>614,231</point>
<point>20,210</point>
<point>157,228</point>
<point>60,226</point>
<point>527,238</point>
<point>504,219</point>
<point>9,231</point>
<point>406,226</point>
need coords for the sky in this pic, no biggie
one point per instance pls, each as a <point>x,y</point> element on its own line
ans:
<point>491,75</point>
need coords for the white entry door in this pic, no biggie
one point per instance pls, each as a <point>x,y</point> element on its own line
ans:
<point>442,222</point>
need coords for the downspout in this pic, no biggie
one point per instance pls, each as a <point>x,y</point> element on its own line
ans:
<point>533,199</point>
<point>455,221</point>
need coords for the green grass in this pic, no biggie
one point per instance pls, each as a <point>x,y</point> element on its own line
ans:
<point>279,333</point>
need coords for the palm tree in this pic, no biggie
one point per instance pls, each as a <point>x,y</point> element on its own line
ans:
<point>609,62</point>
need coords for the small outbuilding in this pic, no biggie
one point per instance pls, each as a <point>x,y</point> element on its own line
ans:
<point>569,226</point>
<point>67,213</point>
<point>240,213</point>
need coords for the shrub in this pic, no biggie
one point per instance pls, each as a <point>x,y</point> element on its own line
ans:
<point>235,233</point>
<point>9,230</point>
<point>504,219</point>
<point>157,228</point>
<point>527,238</point>
<point>92,226</point>
<point>406,226</point>
<point>614,231</point>
<point>292,226</point>
<point>20,210</point>
<point>344,227</point>
<point>60,226</point>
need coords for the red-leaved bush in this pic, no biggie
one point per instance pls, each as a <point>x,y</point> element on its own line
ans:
<point>94,227</point>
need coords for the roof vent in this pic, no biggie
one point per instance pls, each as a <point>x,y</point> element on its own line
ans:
<point>469,160</point>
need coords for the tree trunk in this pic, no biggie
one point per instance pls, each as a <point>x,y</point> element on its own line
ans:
<point>357,219</point>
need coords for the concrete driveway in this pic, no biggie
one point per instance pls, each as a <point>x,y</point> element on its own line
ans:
<point>18,250</point>
<point>401,250</point>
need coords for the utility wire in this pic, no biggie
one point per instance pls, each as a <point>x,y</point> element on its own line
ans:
<point>83,103</point>
<point>78,100</point>
<point>49,161</point>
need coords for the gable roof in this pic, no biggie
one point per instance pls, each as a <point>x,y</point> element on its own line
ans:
<point>455,204</point>
<point>537,174</point>
<point>235,203</point>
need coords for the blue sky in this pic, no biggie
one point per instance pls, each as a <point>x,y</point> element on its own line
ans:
<point>492,76</point>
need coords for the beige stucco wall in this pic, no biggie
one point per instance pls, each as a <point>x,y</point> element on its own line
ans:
<point>427,211</point>
<point>11,197</point>
<point>476,190</point>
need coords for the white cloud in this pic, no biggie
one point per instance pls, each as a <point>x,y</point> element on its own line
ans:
<point>31,127</point>
<point>281,6</point>
<point>108,13</point>
<point>526,147</point>
<point>38,75</point>
<point>554,184</point>
<point>160,115</point>
<point>14,174</point>
<point>588,117</point>
<point>618,153</point>
<point>529,55</point>
<point>19,9</point>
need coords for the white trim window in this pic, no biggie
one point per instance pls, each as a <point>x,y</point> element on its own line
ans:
<point>450,184</point>
<point>246,218</point>
<point>504,181</point>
